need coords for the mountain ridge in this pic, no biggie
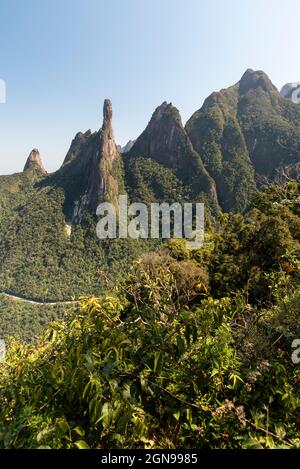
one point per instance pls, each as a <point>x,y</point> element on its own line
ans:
<point>217,152</point>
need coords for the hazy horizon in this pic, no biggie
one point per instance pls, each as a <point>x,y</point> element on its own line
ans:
<point>60,60</point>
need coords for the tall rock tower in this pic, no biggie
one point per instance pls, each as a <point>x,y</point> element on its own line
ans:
<point>93,166</point>
<point>34,162</point>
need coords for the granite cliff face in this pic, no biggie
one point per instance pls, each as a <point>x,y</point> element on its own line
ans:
<point>291,91</point>
<point>128,146</point>
<point>165,141</point>
<point>93,166</point>
<point>34,162</point>
<point>103,185</point>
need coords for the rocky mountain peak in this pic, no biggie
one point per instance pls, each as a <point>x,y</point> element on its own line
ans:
<point>127,147</point>
<point>164,137</point>
<point>90,166</point>
<point>161,110</point>
<point>253,79</point>
<point>167,111</point>
<point>34,161</point>
<point>77,145</point>
<point>105,184</point>
<point>166,141</point>
<point>107,115</point>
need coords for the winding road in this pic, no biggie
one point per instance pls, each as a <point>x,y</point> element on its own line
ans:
<point>17,297</point>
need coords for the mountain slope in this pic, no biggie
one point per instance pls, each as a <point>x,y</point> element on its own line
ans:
<point>165,141</point>
<point>245,134</point>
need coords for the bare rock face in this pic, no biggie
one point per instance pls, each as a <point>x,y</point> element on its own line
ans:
<point>77,145</point>
<point>166,141</point>
<point>107,117</point>
<point>287,173</point>
<point>253,79</point>
<point>291,91</point>
<point>128,146</point>
<point>103,186</point>
<point>34,162</point>
<point>90,166</point>
<point>164,138</point>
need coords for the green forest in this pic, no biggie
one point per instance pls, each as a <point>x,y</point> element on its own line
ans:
<point>143,343</point>
<point>190,349</point>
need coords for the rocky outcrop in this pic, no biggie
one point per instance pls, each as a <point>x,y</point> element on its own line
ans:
<point>92,166</point>
<point>103,182</point>
<point>128,146</point>
<point>291,91</point>
<point>34,162</point>
<point>77,146</point>
<point>165,141</point>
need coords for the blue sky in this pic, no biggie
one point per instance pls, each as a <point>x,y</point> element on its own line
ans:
<point>61,58</point>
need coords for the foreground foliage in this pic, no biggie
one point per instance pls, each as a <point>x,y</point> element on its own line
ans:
<point>27,321</point>
<point>193,349</point>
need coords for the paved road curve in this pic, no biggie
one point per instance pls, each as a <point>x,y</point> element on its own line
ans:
<point>17,297</point>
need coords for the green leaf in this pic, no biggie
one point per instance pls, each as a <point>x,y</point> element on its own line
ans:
<point>158,361</point>
<point>280,431</point>
<point>106,414</point>
<point>214,372</point>
<point>44,433</point>
<point>81,444</point>
<point>252,443</point>
<point>63,426</point>
<point>180,345</point>
<point>122,422</point>
<point>79,431</point>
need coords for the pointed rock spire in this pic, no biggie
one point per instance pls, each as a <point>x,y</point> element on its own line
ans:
<point>164,138</point>
<point>92,165</point>
<point>103,185</point>
<point>34,161</point>
<point>166,141</point>
<point>128,146</point>
<point>107,117</point>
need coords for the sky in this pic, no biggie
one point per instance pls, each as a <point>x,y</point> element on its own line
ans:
<point>61,58</point>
